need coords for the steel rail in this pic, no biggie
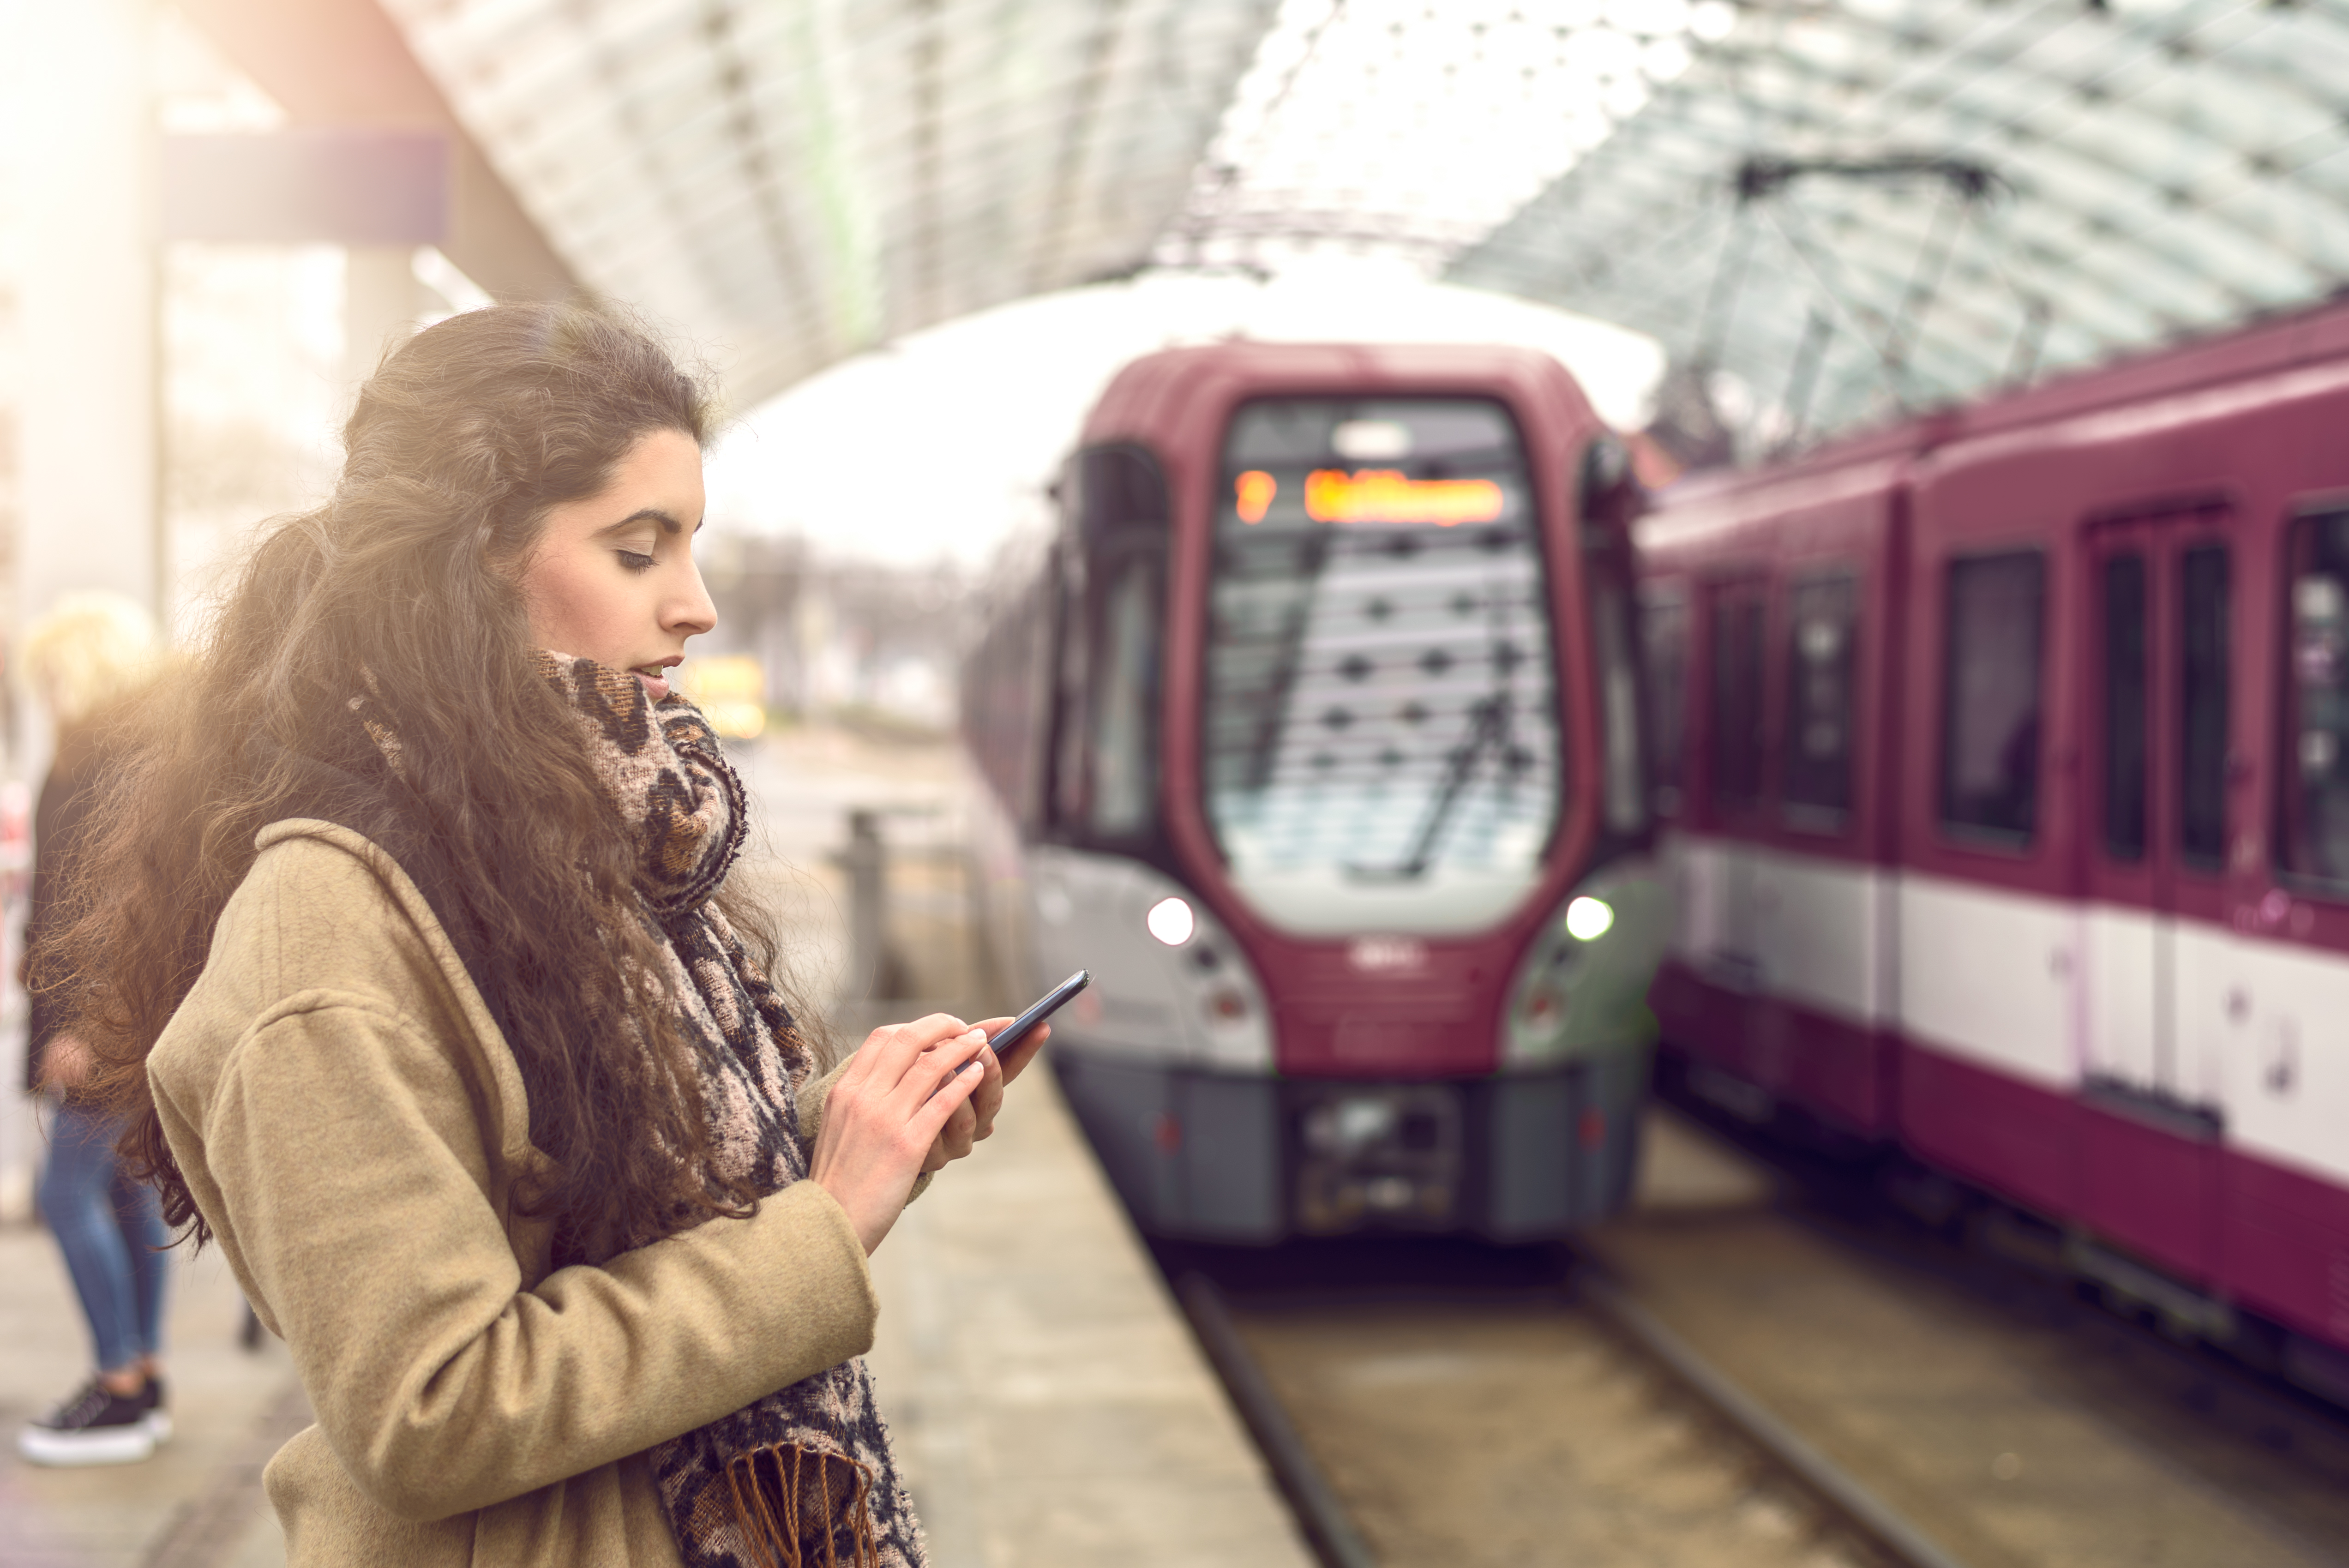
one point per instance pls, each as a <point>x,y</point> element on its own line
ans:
<point>1327,1528</point>
<point>1820,1475</point>
<point>1330,1532</point>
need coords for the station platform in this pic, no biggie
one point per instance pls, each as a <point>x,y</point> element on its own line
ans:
<point>1047,1398</point>
<point>1048,1403</point>
<point>1050,1406</point>
<point>198,1502</point>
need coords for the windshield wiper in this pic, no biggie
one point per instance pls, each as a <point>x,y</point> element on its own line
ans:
<point>1488,730</point>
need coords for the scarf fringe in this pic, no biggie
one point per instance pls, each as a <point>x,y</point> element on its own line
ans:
<point>777,1543</point>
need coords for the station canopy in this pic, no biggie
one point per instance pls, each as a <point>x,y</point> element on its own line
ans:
<point>1828,211</point>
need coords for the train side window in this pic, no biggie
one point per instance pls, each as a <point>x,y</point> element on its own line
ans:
<point>1105,713</point>
<point>2313,843</point>
<point>1821,663</point>
<point>1663,640</point>
<point>1125,710</point>
<point>1618,704</point>
<point>2202,704</point>
<point>1994,610</point>
<point>1069,786</point>
<point>2122,604</point>
<point>1735,720</point>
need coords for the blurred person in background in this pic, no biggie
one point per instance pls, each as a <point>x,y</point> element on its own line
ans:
<point>85,658</point>
<point>429,1001</point>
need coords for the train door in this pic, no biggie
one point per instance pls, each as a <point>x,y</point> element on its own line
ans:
<point>1822,908</point>
<point>2154,947</point>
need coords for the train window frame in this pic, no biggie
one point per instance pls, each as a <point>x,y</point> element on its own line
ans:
<point>1825,819</point>
<point>1100,555</point>
<point>1607,496</point>
<point>1971,832</point>
<point>2291,740</point>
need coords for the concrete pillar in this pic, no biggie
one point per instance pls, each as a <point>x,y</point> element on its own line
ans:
<point>866,862</point>
<point>381,301</point>
<point>85,156</point>
<point>77,142</point>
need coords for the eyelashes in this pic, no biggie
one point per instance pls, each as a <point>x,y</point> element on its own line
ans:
<point>631,561</point>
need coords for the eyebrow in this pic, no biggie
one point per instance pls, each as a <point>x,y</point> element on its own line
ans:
<point>647,513</point>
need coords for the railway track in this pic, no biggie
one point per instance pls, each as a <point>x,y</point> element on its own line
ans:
<point>1851,1524</point>
<point>1767,1382</point>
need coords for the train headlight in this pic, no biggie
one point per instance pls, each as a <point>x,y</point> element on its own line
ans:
<point>1588,919</point>
<point>1170,921</point>
<point>1582,986</point>
<point>1171,986</point>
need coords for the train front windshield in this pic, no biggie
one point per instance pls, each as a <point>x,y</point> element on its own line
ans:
<point>1380,735</point>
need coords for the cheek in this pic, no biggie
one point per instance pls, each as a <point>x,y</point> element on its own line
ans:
<point>572,611</point>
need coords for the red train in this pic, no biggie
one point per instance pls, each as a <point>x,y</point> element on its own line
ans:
<point>1320,731</point>
<point>2005,760</point>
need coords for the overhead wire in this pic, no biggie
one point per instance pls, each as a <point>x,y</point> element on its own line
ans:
<point>2073,91</point>
<point>1229,173</point>
<point>1938,86</point>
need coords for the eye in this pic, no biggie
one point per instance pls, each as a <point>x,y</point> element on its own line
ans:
<point>632,561</point>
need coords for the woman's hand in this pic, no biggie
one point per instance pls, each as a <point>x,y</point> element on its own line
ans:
<point>975,1119</point>
<point>887,1111</point>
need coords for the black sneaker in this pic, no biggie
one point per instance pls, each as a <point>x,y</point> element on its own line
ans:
<point>93,1428</point>
<point>159,1414</point>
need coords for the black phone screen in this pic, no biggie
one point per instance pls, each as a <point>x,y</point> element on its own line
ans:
<point>1051,1003</point>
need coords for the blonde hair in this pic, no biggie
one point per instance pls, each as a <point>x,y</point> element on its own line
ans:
<point>89,649</point>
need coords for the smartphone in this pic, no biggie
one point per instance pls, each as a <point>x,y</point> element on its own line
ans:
<point>1052,1003</point>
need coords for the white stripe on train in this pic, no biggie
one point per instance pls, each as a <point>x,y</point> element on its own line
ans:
<point>2045,991</point>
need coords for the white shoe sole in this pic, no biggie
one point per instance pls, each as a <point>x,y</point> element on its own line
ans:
<point>158,1426</point>
<point>116,1446</point>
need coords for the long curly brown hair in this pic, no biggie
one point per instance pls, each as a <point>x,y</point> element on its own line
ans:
<point>404,586</point>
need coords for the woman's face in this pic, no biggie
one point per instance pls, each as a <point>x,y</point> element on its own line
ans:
<point>612,578</point>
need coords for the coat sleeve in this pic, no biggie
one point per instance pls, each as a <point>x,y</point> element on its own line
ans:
<point>812,1100</point>
<point>345,1149</point>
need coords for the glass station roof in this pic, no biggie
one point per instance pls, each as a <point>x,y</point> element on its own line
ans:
<point>1828,210</point>
<point>1867,206</point>
<point>791,181</point>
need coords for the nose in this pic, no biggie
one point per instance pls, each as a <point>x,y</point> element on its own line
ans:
<point>690,611</point>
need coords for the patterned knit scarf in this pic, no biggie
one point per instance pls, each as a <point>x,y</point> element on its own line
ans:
<point>805,1475</point>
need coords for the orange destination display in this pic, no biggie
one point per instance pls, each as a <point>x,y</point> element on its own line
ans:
<point>1255,490</point>
<point>1386,495</point>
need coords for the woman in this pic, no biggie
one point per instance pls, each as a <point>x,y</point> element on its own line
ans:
<point>85,658</point>
<point>430,1005</point>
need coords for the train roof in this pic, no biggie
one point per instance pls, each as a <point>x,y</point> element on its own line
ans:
<point>2265,347</point>
<point>1146,395</point>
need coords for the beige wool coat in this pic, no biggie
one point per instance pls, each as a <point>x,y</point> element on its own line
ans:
<point>352,1125</point>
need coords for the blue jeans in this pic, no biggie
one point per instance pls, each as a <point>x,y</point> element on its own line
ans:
<point>111,1231</point>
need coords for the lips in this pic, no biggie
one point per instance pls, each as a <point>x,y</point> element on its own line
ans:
<point>655,679</point>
